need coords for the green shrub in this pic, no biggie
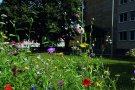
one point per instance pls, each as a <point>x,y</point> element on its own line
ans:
<point>131,53</point>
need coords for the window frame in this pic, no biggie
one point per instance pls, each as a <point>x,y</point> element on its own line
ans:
<point>123,36</point>
<point>130,15</point>
<point>123,16</point>
<point>131,0</point>
<point>130,35</point>
<point>123,2</point>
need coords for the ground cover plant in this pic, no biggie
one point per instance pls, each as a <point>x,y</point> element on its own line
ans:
<point>51,72</point>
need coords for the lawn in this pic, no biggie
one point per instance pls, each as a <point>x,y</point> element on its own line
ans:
<point>120,68</point>
<point>56,71</point>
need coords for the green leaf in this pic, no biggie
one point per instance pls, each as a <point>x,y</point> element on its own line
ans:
<point>45,42</point>
<point>12,35</point>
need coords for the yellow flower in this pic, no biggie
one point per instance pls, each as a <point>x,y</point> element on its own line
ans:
<point>90,66</point>
<point>97,83</point>
<point>5,37</point>
<point>26,68</point>
<point>106,72</point>
<point>60,54</point>
<point>84,45</point>
<point>56,68</point>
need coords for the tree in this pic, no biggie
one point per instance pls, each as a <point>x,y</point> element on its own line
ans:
<point>51,18</point>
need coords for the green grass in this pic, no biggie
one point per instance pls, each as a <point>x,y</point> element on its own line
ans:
<point>117,66</point>
<point>48,69</point>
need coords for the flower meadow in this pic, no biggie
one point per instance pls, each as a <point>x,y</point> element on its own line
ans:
<point>20,70</point>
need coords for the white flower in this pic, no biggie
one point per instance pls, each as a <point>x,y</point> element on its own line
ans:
<point>79,76</point>
<point>117,75</point>
<point>84,68</point>
<point>3,15</point>
<point>38,57</point>
<point>64,67</point>
<point>2,23</point>
<point>133,79</point>
<point>38,72</point>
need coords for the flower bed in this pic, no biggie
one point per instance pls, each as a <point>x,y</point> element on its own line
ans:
<point>25,72</point>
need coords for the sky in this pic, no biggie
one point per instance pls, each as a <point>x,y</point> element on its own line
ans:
<point>1,1</point>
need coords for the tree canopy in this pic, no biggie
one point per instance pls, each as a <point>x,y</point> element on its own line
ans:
<point>42,19</point>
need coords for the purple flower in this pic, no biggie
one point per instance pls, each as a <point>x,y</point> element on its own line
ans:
<point>61,83</point>
<point>51,50</point>
<point>92,55</point>
<point>33,88</point>
<point>76,15</point>
<point>134,72</point>
<point>10,53</point>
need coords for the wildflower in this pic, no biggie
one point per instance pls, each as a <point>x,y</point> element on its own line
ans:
<point>97,83</point>
<point>91,66</point>
<point>76,15</point>
<point>92,55</point>
<point>13,42</point>
<point>3,15</point>
<point>61,83</point>
<point>38,57</point>
<point>117,75</point>
<point>134,72</point>
<point>15,53</point>
<point>51,50</point>
<point>84,45</point>
<point>60,54</point>
<point>8,87</point>
<point>10,53</point>
<point>26,68</point>
<point>79,76</point>
<point>2,23</point>
<point>5,37</point>
<point>106,73</point>
<point>33,88</point>
<point>132,78</point>
<point>84,68</point>
<point>86,82</point>
<point>1,48</point>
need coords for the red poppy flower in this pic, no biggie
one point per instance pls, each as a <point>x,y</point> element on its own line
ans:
<point>8,87</point>
<point>86,82</point>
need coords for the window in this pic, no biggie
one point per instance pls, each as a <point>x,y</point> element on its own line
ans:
<point>123,35</point>
<point>132,0</point>
<point>123,17</point>
<point>123,1</point>
<point>132,15</point>
<point>132,35</point>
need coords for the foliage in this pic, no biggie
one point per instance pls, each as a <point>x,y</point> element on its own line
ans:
<point>24,71</point>
<point>131,53</point>
<point>42,18</point>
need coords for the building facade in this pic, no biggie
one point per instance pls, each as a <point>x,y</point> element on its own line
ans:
<point>126,24</point>
<point>123,27</point>
<point>101,11</point>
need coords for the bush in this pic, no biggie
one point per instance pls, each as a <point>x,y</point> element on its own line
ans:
<point>131,53</point>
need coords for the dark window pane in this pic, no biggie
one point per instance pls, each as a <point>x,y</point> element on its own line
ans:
<point>120,35</point>
<point>121,17</point>
<point>124,35</point>
<point>125,16</point>
<point>132,35</point>
<point>121,1</point>
<point>125,1</point>
<point>132,15</point>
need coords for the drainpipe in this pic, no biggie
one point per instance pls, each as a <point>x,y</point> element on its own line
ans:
<point>112,27</point>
